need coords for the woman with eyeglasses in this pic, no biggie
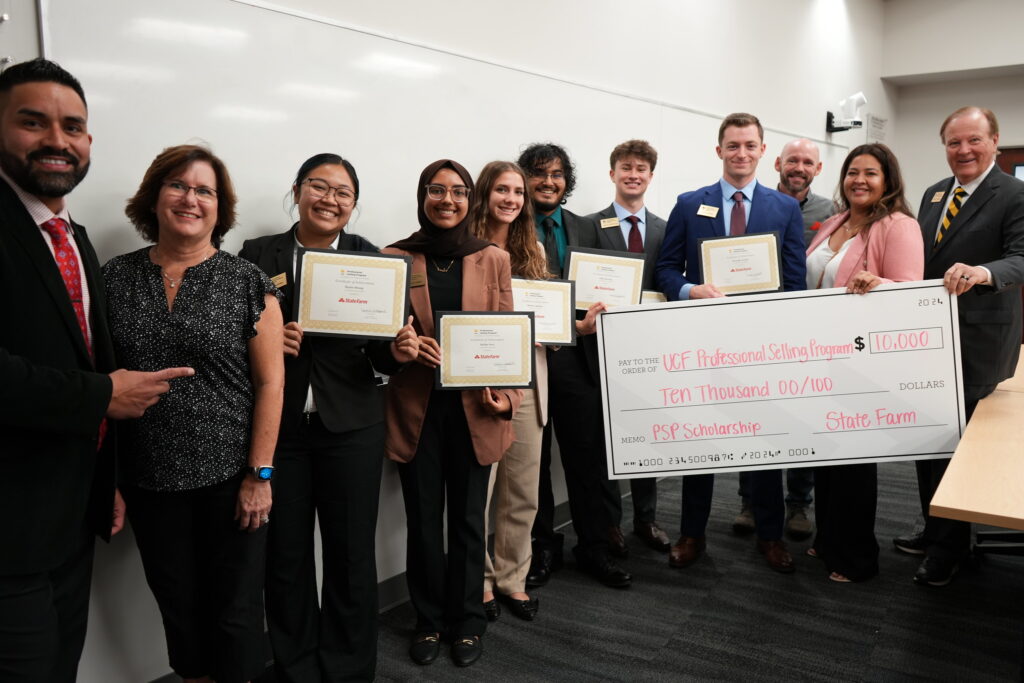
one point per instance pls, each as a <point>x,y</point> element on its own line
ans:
<point>196,467</point>
<point>446,441</point>
<point>329,453</point>
<point>501,213</point>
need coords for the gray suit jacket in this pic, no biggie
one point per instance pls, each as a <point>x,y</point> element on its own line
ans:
<point>611,238</point>
<point>988,231</point>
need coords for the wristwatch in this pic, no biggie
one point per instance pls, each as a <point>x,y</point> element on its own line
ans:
<point>261,473</point>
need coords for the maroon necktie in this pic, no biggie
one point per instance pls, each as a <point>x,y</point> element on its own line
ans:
<point>67,263</point>
<point>636,242</point>
<point>738,219</point>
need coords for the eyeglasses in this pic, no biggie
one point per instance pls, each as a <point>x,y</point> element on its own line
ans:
<point>542,175</point>
<point>459,193</point>
<point>177,189</point>
<point>318,189</point>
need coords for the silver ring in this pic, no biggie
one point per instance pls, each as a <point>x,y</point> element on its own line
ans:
<point>965,277</point>
<point>264,520</point>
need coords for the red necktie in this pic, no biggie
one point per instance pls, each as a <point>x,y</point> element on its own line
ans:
<point>67,263</point>
<point>636,243</point>
<point>738,219</point>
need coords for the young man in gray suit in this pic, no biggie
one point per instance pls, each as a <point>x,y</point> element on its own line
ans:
<point>973,226</point>
<point>627,225</point>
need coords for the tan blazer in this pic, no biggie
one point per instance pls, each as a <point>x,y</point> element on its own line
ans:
<point>486,286</point>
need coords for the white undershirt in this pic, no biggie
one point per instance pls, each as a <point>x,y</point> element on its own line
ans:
<point>823,259</point>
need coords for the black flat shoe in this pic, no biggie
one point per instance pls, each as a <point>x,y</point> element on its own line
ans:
<point>425,648</point>
<point>524,609</point>
<point>492,609</point>
<point>467,650</point>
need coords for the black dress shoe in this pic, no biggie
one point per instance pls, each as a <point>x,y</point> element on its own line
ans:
<point>545,563</point>
<point>425,648</point>
<point>492,610</point>
<point>605,571</point>
<point>524,609</point>
<point>617,542</point>
<point>936,571</point>
<point>466,650</point>
<point>911,544</point>
<point>653,535</point>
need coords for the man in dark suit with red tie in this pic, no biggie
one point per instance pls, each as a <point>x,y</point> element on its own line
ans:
<point>973,226</point>
<point>735,205</point>
<point>58,385</point>
<point>628,225</point>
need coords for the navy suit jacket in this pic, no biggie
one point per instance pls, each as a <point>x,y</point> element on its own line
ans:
<point>679,263</point>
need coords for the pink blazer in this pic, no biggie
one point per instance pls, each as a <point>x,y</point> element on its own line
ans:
<point>486,286</point>
<point>892,249</point>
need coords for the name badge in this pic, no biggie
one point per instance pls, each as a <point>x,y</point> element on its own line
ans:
<point>417,279</point>
<point>707,211</point>
<point>609,222</point>
<point>937,197</point>
<point>280,280</point>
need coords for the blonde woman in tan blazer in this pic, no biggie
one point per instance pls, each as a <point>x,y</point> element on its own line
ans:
<point>446,441</point>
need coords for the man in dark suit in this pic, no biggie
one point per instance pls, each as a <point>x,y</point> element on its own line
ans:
<point>58,487</point>
<point>574,399</point>
<point>973,227</point>
<point>627,225</point>
<point>737,204</point>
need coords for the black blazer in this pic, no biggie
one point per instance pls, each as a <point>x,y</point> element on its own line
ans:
<point>52,399</point>
<point>988,231</point>
<point>611,238</point>
<point>344,387</point>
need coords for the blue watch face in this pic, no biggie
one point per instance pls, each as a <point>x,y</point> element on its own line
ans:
<point>264,473</point>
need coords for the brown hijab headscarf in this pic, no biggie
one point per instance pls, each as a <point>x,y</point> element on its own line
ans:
<point>441,242</point>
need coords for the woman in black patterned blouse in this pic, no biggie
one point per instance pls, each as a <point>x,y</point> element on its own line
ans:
<point>196,467</point>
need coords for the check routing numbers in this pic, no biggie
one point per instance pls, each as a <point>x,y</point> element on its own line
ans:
<point>781,380</point>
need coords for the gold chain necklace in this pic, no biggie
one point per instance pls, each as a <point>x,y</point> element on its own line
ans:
<point>439,268</point>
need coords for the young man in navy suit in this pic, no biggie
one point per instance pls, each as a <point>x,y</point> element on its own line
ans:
<point>627,225</point>
<point>973,227</point>
<point>58,385</point>
<point>736,204</point>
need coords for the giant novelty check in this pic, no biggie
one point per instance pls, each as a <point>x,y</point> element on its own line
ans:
<point>781,380</point>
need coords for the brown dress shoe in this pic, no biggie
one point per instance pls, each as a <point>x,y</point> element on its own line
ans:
<point>652,535</point>
<point>686,550</point>
<point>777,556</point>
<point>617,543</point>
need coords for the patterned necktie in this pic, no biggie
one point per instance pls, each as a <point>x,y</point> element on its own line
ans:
<point>551,246</point>
<point>738,219</point>
<point>954,208</point>
<point>67,263</point>
<point>636,242</point>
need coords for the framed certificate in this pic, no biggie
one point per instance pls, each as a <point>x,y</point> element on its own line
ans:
<point>614,277</point>
<point>650,296</point>
<point>743,264</point>
<point>352,293</point>
<point>484,349</point>
<point>553,304</point>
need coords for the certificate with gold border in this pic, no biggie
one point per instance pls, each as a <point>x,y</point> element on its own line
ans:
<point>743,264</point>
<point>484,349</point>
<point>352,293</point>
<point>552,303</point>
<point>614,277</point>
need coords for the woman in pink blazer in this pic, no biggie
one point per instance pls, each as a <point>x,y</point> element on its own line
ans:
<point>873,241</point>
<point>446,441</point>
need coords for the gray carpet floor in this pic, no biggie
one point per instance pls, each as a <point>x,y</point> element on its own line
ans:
<point>729,617</point>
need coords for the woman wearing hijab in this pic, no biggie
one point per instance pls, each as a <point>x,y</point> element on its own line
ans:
<point>446,441</point>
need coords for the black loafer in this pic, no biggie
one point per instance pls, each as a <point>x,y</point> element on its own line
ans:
<point>465,651</point>
<point>545,562</point>
<point>605,571</point>
<point>492,609</point>
<point>524,609</point>
<point>425,648</point>
<point>936,571</point>
<point>911,544</point>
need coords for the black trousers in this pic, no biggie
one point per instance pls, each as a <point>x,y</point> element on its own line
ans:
<point>766,501</point>
<point>447,594</point>
<point>645,499</point>
<point>948,538</point>
<point>543,533</point>
<point>845,516</point>
<point>43,619</point>
<point>206,576</point>
<point>574,402</point>
<point>334,478</point>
